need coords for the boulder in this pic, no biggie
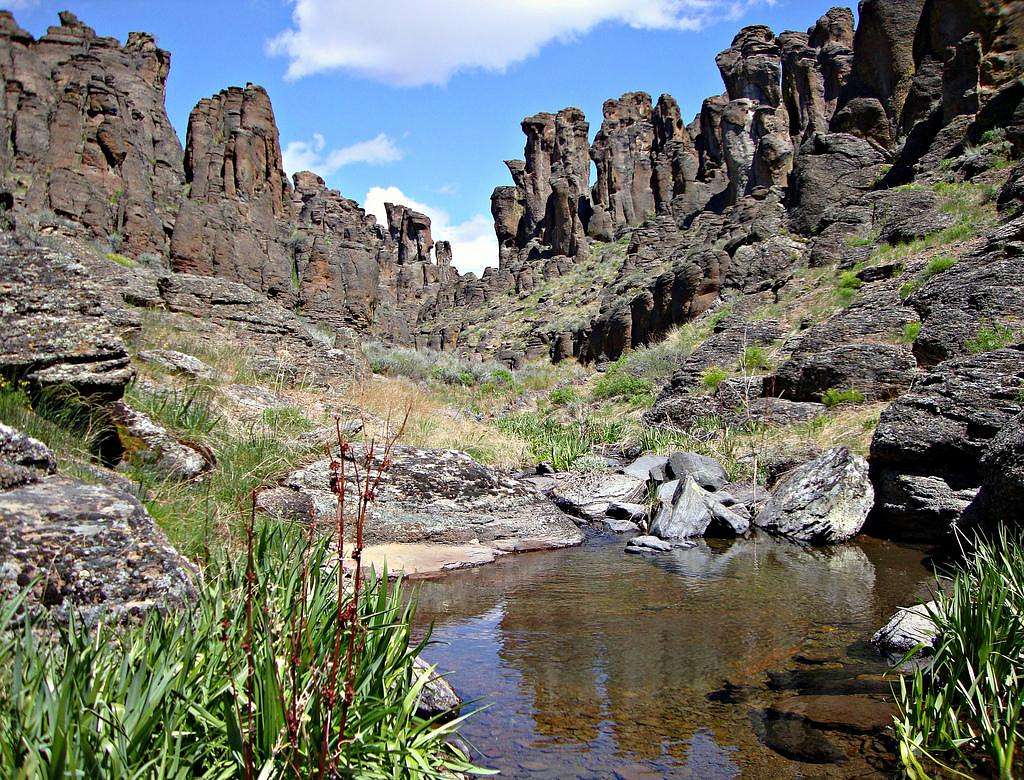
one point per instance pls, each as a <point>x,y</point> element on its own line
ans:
<point>94,548</point>
<point>23,459</point>
<point>927,450</point>
<point>54,326</point>
<point>590,495</point>
<point>434,496</point>
<point>685,513</point>
<point>707,472</point>
<point>825,501</point>
<point>647,467</point>
<point>437,697</point>
<point>909,628</point>
<point>147,442</point>
<point>1002,488</point>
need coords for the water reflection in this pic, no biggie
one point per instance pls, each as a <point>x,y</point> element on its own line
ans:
<point>597,664</point>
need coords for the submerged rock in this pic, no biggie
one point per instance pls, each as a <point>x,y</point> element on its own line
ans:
<point>642,544</point>
<point>824,501</point>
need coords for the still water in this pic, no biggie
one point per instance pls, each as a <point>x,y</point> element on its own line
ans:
<point>591,663</point>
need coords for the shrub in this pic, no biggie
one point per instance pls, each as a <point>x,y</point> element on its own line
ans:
<point>712,377</point>
<point>834,397</point>
<point>910,332</point>
<point>992,338</point>
<point>616,383</point>
<point>563,396</point>
<point>563,445</point>
<point>964,709</point>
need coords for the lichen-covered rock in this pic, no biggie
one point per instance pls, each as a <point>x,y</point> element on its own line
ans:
<point>23,459</point>
<point>95,549</point>
<point>436,496</point>
<point>148,442</point>
<point>927,449</point>
<point>54,328</point>
<point>825,501</point>
<point>177,362</point>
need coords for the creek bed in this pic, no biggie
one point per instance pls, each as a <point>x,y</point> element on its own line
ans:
<point>590,663</point>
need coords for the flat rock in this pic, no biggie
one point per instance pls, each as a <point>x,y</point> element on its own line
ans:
<point>96,549</point>
<point>434,496</point>
<point>825,501</point>
<point>642,544</point>
<point>178,362</point>
<point>854,713</point>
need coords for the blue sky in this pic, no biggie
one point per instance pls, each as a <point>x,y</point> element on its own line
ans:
<point>421,100</point>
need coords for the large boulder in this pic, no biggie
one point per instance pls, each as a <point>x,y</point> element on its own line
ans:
<point>685,510</point>
<point>434,496</point>
<point>927,450</point>
<point>90,549</point>
<point>591,495</point>
<point>825,501</point>
<point>1002,489</point>
<point>147,442</point>
<point>54,326</point>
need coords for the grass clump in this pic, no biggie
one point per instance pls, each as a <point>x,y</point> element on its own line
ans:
<point>910,332</point>
<point>253,682</point>
<point>712,377</point>
<point>937,265</point>
<point>616,382</point>
<point>835,396</point>
<point>117,257</point>
<point>991,338</point>
<point>754,358</point>
<point>962,713</point>
<point>563,445</point>
<point>563,396</point>
<point>847,286</point>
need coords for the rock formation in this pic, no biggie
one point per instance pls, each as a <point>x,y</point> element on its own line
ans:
<point>86,133</point>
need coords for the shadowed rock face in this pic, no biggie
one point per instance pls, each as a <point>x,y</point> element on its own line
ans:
<point>88,137</point>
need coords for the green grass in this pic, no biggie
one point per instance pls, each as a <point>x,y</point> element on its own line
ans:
<point>910,332</point>
<point>563,445</point>
<point>563,396</point>
<point>937,265</point>
<point>835,396</point>
<point>847,286</point>
<point>712,377</point>
<point>754,359</point>
<point>991,338</point>
<point>117,257</point>
<point>618,384</point>
<point>962,713</point>
<point>237,687</point>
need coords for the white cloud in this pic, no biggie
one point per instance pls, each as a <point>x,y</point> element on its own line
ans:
<point>310,155</point>
<point>474,245</point>
<point>415,42</point>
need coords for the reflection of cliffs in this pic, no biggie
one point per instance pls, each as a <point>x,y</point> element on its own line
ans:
<point>593,635</point>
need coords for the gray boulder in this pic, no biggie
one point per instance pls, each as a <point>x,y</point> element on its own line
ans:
<point>148,442</point>
<point>909,628</point>
<point>643,544</point>
<point>825,501</point>
<point>177,362</point>
<point>437,696</point>
<point>23,459</point>
<point>706,472</point>
<point>590,495</point>
<point>94,549</point>
<point>687,513</point>
<point>648,467</point>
